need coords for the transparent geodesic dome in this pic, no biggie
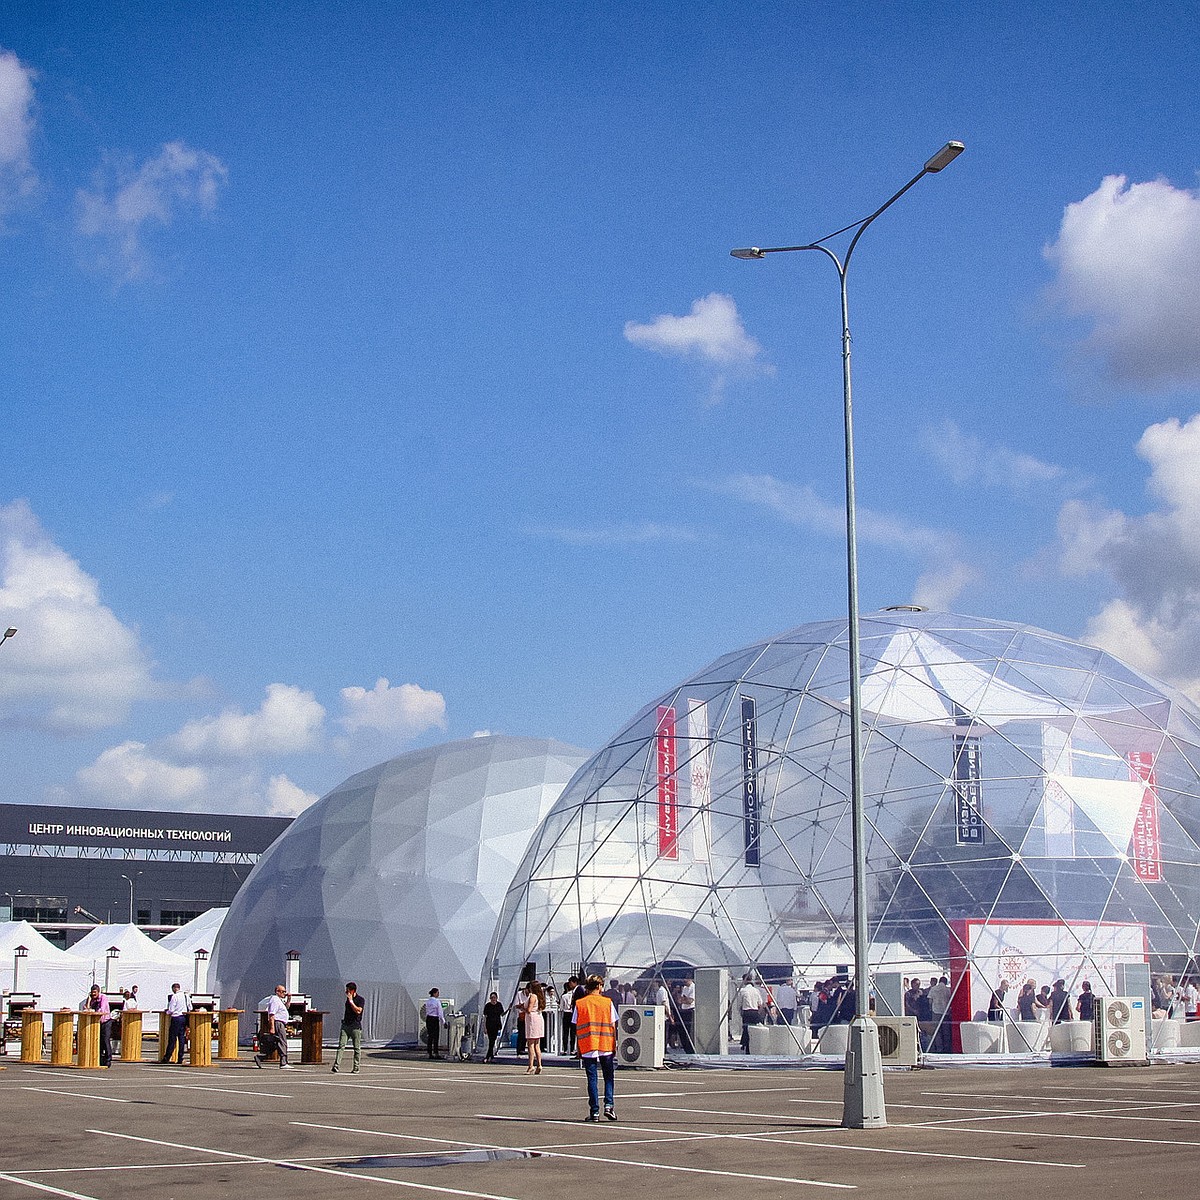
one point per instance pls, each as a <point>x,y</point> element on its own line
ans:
<point>1032,805</point>
<point>393,880</point>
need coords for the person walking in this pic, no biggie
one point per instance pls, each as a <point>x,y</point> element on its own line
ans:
<point>535,1026</point>
<point>595,1020</point>
<point>277,1016</point>
<point>493,1023</point>
<point>435,1020</point>
<point>177,1008</point>
<point>351,1030</point>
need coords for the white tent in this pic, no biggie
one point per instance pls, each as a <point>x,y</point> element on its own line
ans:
<point>140,960</point>
<point>198,934</point>
<point>60,978</point>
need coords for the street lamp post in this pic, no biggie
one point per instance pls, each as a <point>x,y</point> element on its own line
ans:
<point>862,1100</point>
<point>11,631</point>
<point>137,875</point>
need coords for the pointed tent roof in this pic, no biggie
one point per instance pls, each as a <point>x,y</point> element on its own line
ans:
<point>134,945</point>
<point>21,933</point>
<point>198,934</point>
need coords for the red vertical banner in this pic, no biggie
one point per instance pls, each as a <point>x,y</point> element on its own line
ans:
<point>1146,847</point>
<point>668,799</point>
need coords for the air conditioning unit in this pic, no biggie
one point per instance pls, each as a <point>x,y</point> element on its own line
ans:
<point>1120,1030</point>
<point>641,1035</point>
<point>898,1042</point>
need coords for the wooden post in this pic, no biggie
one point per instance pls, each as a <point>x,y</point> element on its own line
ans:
<point>33,1033</point>
<point>62,1038</point>
<point>311,1030</point>
<point>131,1035</point>
<point>227,1033</point>
<point>89,1040</point>
<point>200,1038</point>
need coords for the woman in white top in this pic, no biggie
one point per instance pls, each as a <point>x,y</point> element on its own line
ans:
<point>535,1027</point>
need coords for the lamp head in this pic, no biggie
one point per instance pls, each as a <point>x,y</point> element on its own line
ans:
<point>945,156</point>
<point>749,252</point>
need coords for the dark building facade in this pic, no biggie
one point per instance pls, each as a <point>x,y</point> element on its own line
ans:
<point>66,869</point>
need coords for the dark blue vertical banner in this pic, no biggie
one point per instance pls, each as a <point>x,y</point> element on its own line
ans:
<point>968,788</point>
<point>751,801</point>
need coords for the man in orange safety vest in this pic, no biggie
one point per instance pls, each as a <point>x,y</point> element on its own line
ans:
<point>595,1021</point>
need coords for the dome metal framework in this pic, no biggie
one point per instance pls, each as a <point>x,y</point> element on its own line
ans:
<point>1032,804</point>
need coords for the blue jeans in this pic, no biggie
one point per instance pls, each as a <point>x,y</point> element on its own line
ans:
<point>594,1066</point>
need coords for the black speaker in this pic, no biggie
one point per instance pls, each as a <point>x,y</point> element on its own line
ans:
<point>529,972</point>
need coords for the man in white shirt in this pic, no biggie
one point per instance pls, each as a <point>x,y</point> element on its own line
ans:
<point>750,1004</point>
<point>687,1016</point>
<point>277,1015</point>
<point>785,1001</point>
<point>435,1019</point>
<point>177,1008</point>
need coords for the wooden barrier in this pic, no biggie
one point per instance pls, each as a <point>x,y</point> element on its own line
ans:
<point>131,1035</point>
<point>200,1038</point>
<point>89,1040</point>
<point>227,1033</point>
<point>33,1034</point>
<point>62,1038</point>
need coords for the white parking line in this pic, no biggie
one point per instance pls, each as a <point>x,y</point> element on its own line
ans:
<point>79,1095</point>
<point>617,1162</point>
<point>200,1087</point>
<point>301,1165</point>
<point>376,1087</point>
<point>45,1187</point>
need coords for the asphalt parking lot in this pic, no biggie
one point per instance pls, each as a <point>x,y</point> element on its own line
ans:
<point>466,1129</point>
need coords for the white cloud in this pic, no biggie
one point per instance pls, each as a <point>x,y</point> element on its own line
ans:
<point>130,776</point>
<point>125,201</point>
<point>288,722</point>
<point>1128,260</point>
<point>1152,559</point>
<point>405,710</point>
<point>134,776</point>
<point>17,178</point>
<point>629,534</point>
<point>712,331</point>
<point>968,460</point>
<point>73,666</point>
<point>287,799</point>
<point>945,575</point>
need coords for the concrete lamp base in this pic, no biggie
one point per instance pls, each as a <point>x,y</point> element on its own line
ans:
<point>862,1099</point>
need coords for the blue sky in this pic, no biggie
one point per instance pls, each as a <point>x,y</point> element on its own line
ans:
<point>376,374</point>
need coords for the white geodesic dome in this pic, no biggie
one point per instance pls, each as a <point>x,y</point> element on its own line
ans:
<point>393,880</point>
<point>1032,805</point>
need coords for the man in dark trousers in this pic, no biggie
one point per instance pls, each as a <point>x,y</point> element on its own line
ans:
<point>351,1030</point>
<point>493,1023</point>
<point>435,1019</point>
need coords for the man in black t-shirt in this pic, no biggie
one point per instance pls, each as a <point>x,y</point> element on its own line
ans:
<point>351,1030</point>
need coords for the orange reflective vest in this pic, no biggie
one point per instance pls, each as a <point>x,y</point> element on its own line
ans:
<point>594,1030</point>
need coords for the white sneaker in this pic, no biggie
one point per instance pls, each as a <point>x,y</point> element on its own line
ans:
<point>286,1067</point>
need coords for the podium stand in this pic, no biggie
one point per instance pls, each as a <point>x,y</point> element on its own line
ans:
<point>200,1038</point>
<point>131,1035</point>
<point>62,1038</point>
<point>227,1034</point>
<point>312,1025</point>
<point>89,1041</point>
<point>33,1033</point>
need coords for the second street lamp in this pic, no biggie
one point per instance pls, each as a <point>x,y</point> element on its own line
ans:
<point>862,1100</point>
